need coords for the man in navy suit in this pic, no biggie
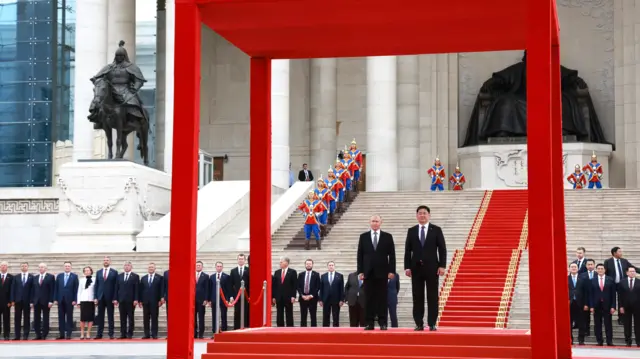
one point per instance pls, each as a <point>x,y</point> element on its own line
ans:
<point>21,301</point>
<point>6,282</point>
<point>603,304</point>
<point>150,300</point>
<point>575,298</point>
<point>581,260</point>
<point>331,295</point>
<point>42,300</point>
<point>65,296</point>
<point>393,288</point>
<point>308,294</point>
<point>165,289</point>
<point>629,305</point>
<point>202,296</point>
<point>105,290</point>
<point>585,292</point>
<point>225,285</point>
<point>126,299</point>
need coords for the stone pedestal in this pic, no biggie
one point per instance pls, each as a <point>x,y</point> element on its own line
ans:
<point>505,166</point>
<point>104,204</point>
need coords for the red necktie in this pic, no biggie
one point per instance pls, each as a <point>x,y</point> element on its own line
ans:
<point>601,283</point>
<point>218,276</point>
<point>104,272</point>
<point>282,276</point>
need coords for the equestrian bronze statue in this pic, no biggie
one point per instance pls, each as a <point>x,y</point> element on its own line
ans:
<point>116,105</point>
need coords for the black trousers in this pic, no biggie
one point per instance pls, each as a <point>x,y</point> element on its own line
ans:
<point>356,315</point>
<point>236,315</point>
<point>5,313</point>
<point>309,307</point>
<point>331,311</point>
<point>393,315</point>
<point>198,320</point>
<point>102,305</point>
<point>65,318</point>
<point>223,317</point>
<point>601,314</point>
<point>421,278</point>
<point>575,316</point>
<point>375,292</point>
<point>126,310</point>
<point>41,320</point>
<point>22,315</point>
<point>284,308</point>
<point>586,322</point>
<point>150,314</point>
<point>631,314</point>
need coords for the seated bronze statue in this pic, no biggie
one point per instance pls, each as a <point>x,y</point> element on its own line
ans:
<point>501,107</point>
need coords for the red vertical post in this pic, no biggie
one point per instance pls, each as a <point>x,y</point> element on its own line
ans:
<point>539,124</point>
<point>563,324</point>
<point>182,247</point>
<point>260,191</point>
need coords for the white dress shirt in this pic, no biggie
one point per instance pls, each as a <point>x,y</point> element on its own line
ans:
<point>86,295</point>
<point>426,230</point>
<point>616,263</point>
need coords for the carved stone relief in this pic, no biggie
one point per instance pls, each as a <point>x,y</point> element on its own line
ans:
<point>29,206</point>
<point>512,167</point>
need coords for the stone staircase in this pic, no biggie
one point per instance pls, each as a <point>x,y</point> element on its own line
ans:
<point>597,221</point>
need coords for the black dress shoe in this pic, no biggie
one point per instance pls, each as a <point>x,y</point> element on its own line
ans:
<point>146,337</point>
<point>368,327</point>
<point>98,337</point>
<point>122,337</point>
<point>59,338</point>
<point>432,328</point>
<point>419,328</point>
<point>37,338</point>
<point>600,344</point>
<point>383,327</point>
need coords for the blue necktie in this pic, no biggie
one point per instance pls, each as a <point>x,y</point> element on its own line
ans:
<point>359,282</point>
<point>422,236</point>
<point>620,268</point>
<point>574,286</point>
<point>590,275</point>
<point>66,278</point>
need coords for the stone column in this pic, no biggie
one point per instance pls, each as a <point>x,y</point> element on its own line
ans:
<point>91,49</point>
<point>323,92</point>
<point>408,124</point>
<point>161,38</point>
<point>122,26</point>
<point>382,156</point>
<point>280,123</point>
<point>170,32</point>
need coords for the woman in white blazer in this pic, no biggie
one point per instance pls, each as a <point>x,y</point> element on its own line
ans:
<point>86,295</point>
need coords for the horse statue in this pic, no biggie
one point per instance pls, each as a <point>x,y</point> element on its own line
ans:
<point>117,106</point>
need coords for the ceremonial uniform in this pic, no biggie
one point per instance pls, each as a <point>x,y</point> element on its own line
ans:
<point>457,180</point>
<point>594,172</point>
<point>349,166</point>
<point>437,174</point>
<point>577,179</point>
<point>311,209</point>
<point>345,178</point>
<point>356,156</point>
<point>321,193</point>
<point>333,185</point>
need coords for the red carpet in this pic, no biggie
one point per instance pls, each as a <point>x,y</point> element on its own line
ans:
<point>357,344</point>
<point>478,288</point>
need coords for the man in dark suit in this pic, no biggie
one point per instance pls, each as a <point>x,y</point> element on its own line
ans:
<point>150,300</point>
<point>42,301</point>
<point>21,301</point>
<point>126,299</point>
<point>629,305</point>
<point>305,174</point>
<point>616,268</point>
<point>584,292</point>
<point>331,295</point>
<point>105,290</point>
<point>393,288</point>
<point>202,297</point>
<point>356,299</point>
<point>602,303</point>
<point>376,263</point>
<point>225,285</point>
<point>575,304</point>
<point>425,259</point>
<point>165,288</point>
<point>308,294</point>
<point>239,274</point>
<point>6,282</point>
<point>65,296</point>
<point>283,290</point>
<point>581,260</point>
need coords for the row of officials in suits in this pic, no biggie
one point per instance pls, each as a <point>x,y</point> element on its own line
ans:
<point>126,291</point>
<point>600,290</point>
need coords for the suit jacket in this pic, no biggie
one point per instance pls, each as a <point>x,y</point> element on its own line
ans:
<point>165,286</point>
<point>202,288</point>
<point>106,289</point>
<point>393,288</point>
<point>629,298</point>
<point>582,268</point>
<point>584,288</point>
<point>5,289</point>
<point>151,294</point>
<point>607,296</point>
<point>378,262</point>
<point>301,176</point>
<point>43,293</point>
<point>354,290</point>
<point>66,293</point>
<point>332,293</point>
<point>225,284</point>
<point>21,292</point>
<point>610,268</point>
<point>432,255</point>
<point>129,291</point>
<point>235,281</point>
<point>574,290</point>
<point>284,291</point>
<point>314,284</point>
